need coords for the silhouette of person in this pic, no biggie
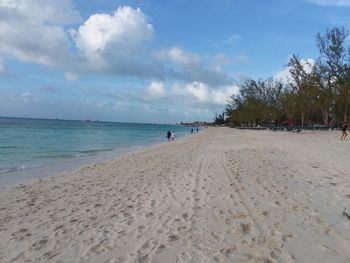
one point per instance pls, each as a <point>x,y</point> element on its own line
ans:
<point>344,133</point>
<point>168,135</point>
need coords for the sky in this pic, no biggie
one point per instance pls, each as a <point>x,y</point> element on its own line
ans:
<point>150,61</point>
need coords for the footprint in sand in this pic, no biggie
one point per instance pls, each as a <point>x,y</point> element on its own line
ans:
<point>230,252</point>
<point>173,238</point>
<point>150,214</point>
<point>40,243</point>
<point>246,228</point>
<point>153,203</point>
<point>181,228</point>
<point>285,238</point>
<point>130,221</point>
<point>185,216</point>
<point>266,213</point>
<point>160,249</point>
<point>217,236</point>
<point>141,228</point>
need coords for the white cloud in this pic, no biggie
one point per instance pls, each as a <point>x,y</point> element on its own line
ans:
<point>29,97</point>
<point>3,68</point>
<point>196,90</point>
<point>60,12</point>
<point>203,94</point>
<point>331,2</point>
<point>180,57</point>
<point>32,30</point>
<point>285,76</point>
<point>220,61</point>
<point>221,96</point>
<point>69,75</point>
<point>156,90</point>
<point>190,67</point>
<point>41,31</point>
<point>121,36</point>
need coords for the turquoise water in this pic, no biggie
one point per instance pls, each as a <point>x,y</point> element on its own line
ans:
<point>39,147</point>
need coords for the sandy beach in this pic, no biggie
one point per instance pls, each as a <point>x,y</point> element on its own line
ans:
<point>224,195</point>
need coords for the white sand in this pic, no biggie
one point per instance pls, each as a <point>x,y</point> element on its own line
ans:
<point>221,196</point>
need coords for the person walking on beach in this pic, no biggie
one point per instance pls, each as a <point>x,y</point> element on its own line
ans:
<point>191,131</point>
<point>168,135</point>
<point>197,130</point>
<point>173,136</point>
<point>344,133</point>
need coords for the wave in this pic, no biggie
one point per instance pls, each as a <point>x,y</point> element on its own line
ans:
<point>96,151</point>
<point>73,154</point>
<point>12,169</point>
<point>10,147</point>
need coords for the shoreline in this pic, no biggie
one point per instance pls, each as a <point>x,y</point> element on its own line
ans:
<point>222,196</point>
<point>73,164</point>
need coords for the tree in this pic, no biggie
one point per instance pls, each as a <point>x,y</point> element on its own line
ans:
<point>319,90</point>
<point>304,87</point>
<point>258,102</point>
<point>325,95</point>
<point>334,67</point>
<point>219,119</point>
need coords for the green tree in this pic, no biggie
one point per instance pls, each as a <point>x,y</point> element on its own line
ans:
<point>304,87</point>
<point>258,102</point>
<point>334,68</point>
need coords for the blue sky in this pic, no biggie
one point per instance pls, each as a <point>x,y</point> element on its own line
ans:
<point>148,61</point>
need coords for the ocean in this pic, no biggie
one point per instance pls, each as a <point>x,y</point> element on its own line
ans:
<point>35,148</point>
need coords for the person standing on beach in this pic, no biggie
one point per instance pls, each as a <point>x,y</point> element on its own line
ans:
<point>173,136</point>
<point>344,133</point>
<point>197,130</point>
<point>168,135</point>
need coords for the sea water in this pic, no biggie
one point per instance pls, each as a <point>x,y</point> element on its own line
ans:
<point>31,148</point>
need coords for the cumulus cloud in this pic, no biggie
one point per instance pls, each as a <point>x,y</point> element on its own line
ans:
<point>156,90</point>
<point>122,43</point>
<point>201,93</point>
<point>33,30</point>
<point>52,12</point>
<point>121,37</point>
<point>180,57</point>
<point>50,32</point>
<point>285,76</point>
<point>190,67</point>
<point>220,61</point>
<point>330,2</point>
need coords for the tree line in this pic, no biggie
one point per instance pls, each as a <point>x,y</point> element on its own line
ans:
<point>318,91</point>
